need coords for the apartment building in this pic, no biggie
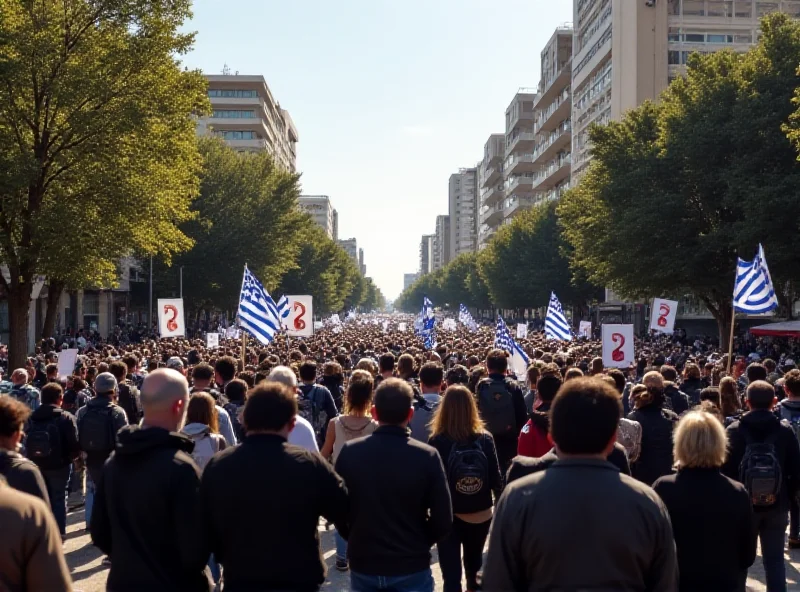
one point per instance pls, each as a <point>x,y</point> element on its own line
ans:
<point>441,243</point>
<point>490,181</point>
<point>350,246</point>
<point>409,279</point>
<point>463,212</point>
<point>552,127</point>
<point>361,265</point>
<point>426,253</point>
<point>322,212</point>
<point>247,116</point>
<point>518,168</point>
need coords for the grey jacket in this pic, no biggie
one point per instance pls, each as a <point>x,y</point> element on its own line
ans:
<point>580,525</point>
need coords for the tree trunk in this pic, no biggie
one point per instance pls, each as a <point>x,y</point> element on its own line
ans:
<point>54,291</point>
<point>19,300</point>
<point>723,314</point>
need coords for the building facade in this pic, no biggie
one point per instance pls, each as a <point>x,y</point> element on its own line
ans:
<point>441,242</point>
<point>490,181</point>
<point>518,169</point>
<point>426,253</point>
<point>409,279</point>
<point>322,213</point>
<point>247,116</point>
<point>361,265</point>
<point>463,212</point>
<point>350,246</point>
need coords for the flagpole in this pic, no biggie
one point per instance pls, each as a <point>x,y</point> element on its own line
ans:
<point>730,340</point>
<point>244,333</point>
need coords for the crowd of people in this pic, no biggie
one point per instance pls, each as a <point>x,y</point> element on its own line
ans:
<point>201,468</point>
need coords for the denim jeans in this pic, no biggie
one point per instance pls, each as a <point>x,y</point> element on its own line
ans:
<point>89,500</point>
<point>771,528</point>
<point>341,546</point>
<point>472,537</point>
<point>57,482</point>
<point>422,581</point>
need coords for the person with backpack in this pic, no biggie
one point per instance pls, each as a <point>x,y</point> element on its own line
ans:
<point>202,375</point>
<point>533,438</point>
<point>765,458</point>
<point>502,407</point>
<point>657,423</point>
<point>355,422</point>
<point>474,477</point>
<point>98,423</point>
<point>24,392</point>
<point>431,377</point>
<point>315,403</point>
<point>203,428</point>
<point>789,410</point>
<point>52,443</point>
<point>20,473</point>
<point>128,394</point>
<point>76,395</point>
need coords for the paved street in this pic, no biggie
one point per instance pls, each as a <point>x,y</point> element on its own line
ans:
<point>89,574</point>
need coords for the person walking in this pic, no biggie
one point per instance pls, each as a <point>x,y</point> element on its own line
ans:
<point>147,505</point>
<point>473,474</point>
<point>52,443</point>
<point>399,499</point>
<point>534,440</point>
<point>538,539</point>
<point>431,377</point>
<point>355,422</point>
<point>789,410</point>
<point>202,426</point>
<point>262,500</point>
<point>716,541</point>
<point>20,473</point>
<point>657,423</point>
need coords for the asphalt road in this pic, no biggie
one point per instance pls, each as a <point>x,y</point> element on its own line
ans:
<point>89,575</point>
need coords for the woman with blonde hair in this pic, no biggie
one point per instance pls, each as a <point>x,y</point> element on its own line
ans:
<point>473,473</point>
<point>712,516</point>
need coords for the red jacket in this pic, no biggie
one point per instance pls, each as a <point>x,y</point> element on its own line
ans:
<point>534,440</point>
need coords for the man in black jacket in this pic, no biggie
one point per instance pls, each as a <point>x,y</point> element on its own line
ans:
<point>52,443</point>
<point>20,473</point>
<point>127,393</point>
<point>146,515</point>
<point>399,499</point>
<point>262,501</point>
<point>760,426</point>
<point>523,465</point>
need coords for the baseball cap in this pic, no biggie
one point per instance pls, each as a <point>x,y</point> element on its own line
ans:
<point>175,363</point>
<point>105,383</point>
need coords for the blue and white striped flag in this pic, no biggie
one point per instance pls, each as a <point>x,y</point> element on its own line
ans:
<point>753,292</point>
<point>555,323</point>
<point>257,314</point>
<point>502,340</point>
<point>430,340</point>
<point>283,306</point>
<point>466,319</point>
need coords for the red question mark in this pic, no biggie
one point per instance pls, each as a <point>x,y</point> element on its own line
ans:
<point>618,355</point>
<point>299,323</point>
<point>171,324</point>
<point>663,314</point>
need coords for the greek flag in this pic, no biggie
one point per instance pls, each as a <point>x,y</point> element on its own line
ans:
<point>283,307</point>
<point>518,358</point>
<point>753,292</point>
<point>555,323</point>
<point>429,340</point>
<point>258,314</point>
<point>466,319</point>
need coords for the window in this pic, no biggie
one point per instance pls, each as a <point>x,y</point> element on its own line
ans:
<point>674,34</point>
<point>720,8</point>
<point>674,58</point>
<point>764,8</point>
<point>694,8</point>
<point>695,38</point>
<point>232,93</point>
<point>719,38</point>
<point>743,38</point>
<point>237,135</point>
<point>743,9</point>
<point>231,114</point>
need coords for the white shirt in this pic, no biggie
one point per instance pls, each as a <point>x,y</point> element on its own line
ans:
<point>303,435</point>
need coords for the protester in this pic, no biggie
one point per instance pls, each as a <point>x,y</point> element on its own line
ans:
<point>716,541</point>
<point>692,383</point>
<point>655,456</point>
<point>431,377</point>
<point>315,402</point>
<point>127,393</point>
<point>386,367</point>
<point>302,433</point>
<point>765,458</point>
<point>236,394</point>
<point>262,500</point>
<point>399,499</point>
<point>52,443</point>
<point>22,391</point>
<point>147,505</point>
<point>674,398</point>
<point>473,474</point>
<point>202,426</point>
<point>20,473</point>
<point>789,410</point>
<point>539,539</point>
<point>629,432</point>
<point>534,438</point>
<point>202,376</point>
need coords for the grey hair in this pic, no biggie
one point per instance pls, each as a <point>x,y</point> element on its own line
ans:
<point>284,375</point>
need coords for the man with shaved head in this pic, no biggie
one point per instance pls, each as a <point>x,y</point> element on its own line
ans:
<point>147,513</point>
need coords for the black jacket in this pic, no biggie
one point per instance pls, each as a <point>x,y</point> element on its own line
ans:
<point>128,399</point>
<point>716,541</point>
<point>399,502</point>
<point>675,399</point>
<point>760,424</point>
<point>23,475</point>
<point>67,429</point>
<point>655,458</point>
<point>466,503</point>
<point>692,388</point>
<point>262,501</point>
<point>146,515</point>
<point>524,465</point>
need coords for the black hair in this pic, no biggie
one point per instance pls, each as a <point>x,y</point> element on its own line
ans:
<point>386,362</point>
<point>226,368</point>
<point>393,399</point>
<point>270,406</point>
<point>547,387</point>
<point>497,361</point>
<point>457,375</point>
<point>51,393</point>
<point>308,370</point>
<point>236,390</point>
<point>760,394</point>
<point>431,374</point>
<point>584,416</point>
<point>619,379</point>
<point>202,371</point>
<point>756,372</point>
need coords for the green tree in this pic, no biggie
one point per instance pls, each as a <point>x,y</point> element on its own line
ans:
<point>98,146</point>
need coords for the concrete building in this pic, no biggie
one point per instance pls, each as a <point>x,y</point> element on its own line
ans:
<point>350,246</point>
<point>409,279</point>
<point>361,266</point>
<point>441,242</point>
<point>552,126</point>
<point>321,211</point>
<point>247,117</point>
<point>426,253</point>
<point>463,212</point>
<point>518,169</point>
<point>490,180</point>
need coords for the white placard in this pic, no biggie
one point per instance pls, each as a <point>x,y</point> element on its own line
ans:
<point>66,362</point>
<point>585,329</point>
<point>617,346</point>
<point>335,319</point>
<point>662,315</point>
<point>232,333</point>
<point>522,331</point>
<point>300,322</point>
<point>449,324</point>
<point>401,327</point>
<point>170,317</point>
<point>317,325</point>
<point>212,340</point>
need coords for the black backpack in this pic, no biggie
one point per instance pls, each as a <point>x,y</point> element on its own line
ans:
<point>129,403</point>
<point>760,470</point>
<point>468,468</point>
<point>497,407</point>
<point>310,407</point>
<point>96,432</point>
<point>43,443</point>
<point>233,411</point>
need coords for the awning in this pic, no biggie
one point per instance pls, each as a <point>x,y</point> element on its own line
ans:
<point>784,329</point>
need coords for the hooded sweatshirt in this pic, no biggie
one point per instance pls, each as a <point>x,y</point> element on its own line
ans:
<point>533,440</point>
<point>146,516</point>
<point>206,444</point>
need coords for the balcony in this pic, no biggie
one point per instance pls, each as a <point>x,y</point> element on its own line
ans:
<point>490,195</point>
<point>256,144</point>
<point>492,215</point>
<point>522,142</point>
<point>514,205</point>
<point>555,141</point>
<point>519,183</point>
<point>493,174</point>
<point>555,112</point>
<point>520,163</point>
<point>554,173</point>
<point>555,86</point>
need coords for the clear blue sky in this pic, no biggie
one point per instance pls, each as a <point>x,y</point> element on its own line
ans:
<point>389,98</point>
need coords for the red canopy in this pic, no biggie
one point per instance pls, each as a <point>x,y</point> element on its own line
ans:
<point>784,329</point>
